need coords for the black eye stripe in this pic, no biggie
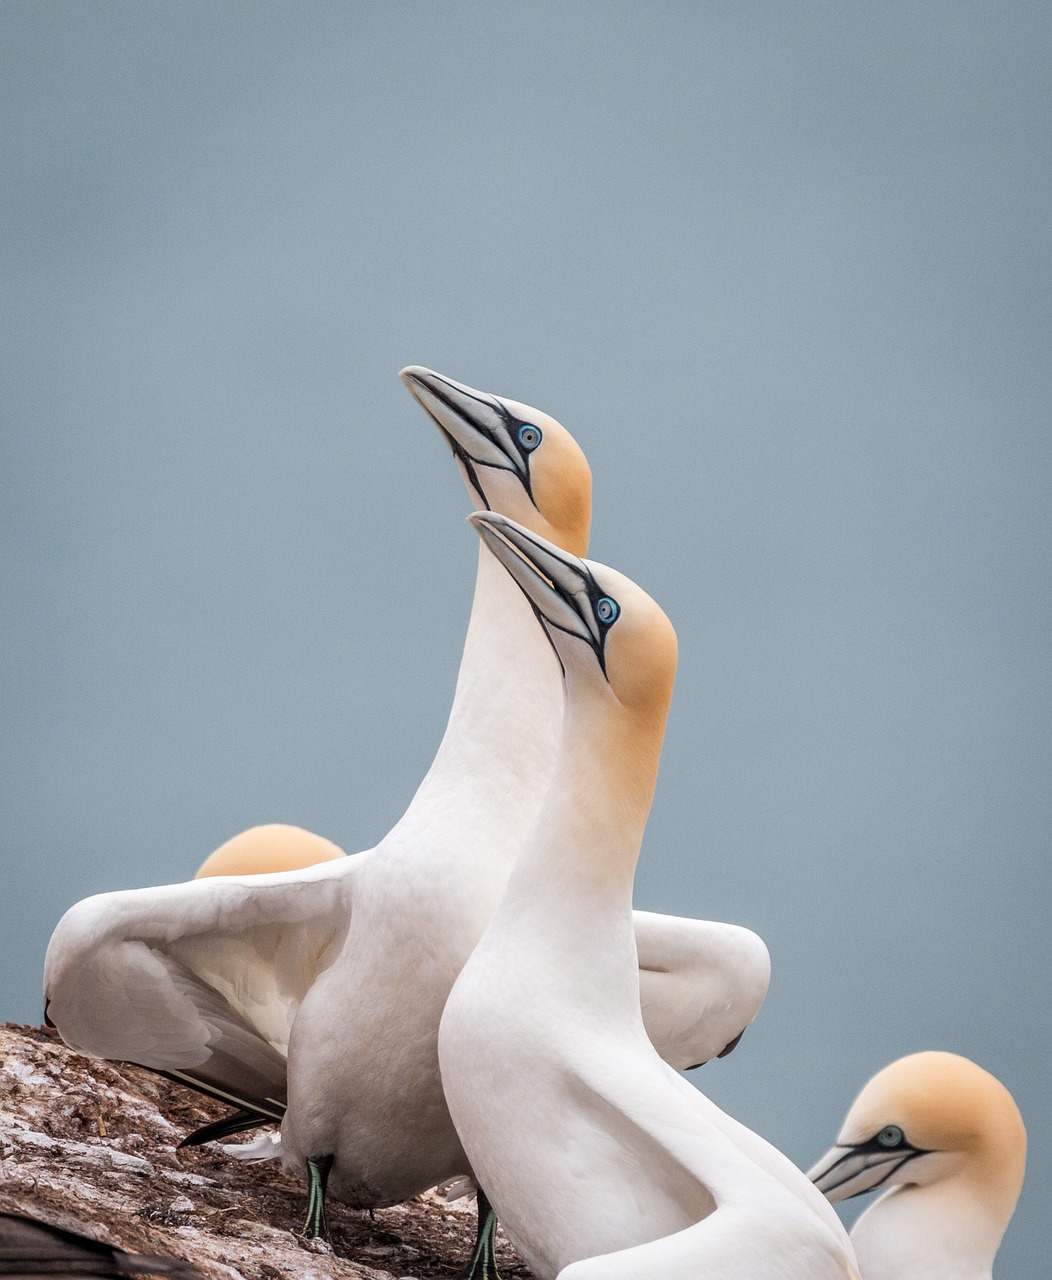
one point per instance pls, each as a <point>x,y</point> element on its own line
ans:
<point>884,1156</point>
<point>874,1145</point>
<point>512,426</point>
<point>571,593</point>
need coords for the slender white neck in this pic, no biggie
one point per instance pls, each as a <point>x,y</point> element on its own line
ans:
<point>570,893</point>
<point>943,1231</point>
<point>503,729</point>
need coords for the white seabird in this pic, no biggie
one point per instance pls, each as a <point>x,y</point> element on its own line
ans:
<point>601,1162</point>
<point>343,968</point>
<point>701,982</point>
<point>947,1141</point>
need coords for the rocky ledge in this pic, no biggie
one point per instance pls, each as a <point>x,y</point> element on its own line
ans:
<point>92,1147</point>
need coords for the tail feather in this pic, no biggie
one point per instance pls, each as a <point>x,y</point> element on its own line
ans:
<point>237,1122</point>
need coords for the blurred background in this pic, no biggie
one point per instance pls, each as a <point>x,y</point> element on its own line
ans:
<point>782,269</point>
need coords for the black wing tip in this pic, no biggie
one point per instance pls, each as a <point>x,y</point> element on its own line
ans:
<point>238,1122</point>
<point>272,1114</point>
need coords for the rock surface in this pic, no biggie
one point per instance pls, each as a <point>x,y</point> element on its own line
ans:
<point>91,1146</point>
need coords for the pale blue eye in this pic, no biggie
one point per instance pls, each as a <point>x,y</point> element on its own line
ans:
<point>890,1136</point>
<point>606,610</point>
<point>529,437</point>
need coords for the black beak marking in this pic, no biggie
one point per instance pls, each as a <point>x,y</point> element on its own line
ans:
<point>518,466</point>
<point>907,1152</point>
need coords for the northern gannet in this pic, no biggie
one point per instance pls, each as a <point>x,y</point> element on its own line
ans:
<point>601,1162</point>
<point>344,967</point>
<point>947,1140</point>
<point>274,846</point>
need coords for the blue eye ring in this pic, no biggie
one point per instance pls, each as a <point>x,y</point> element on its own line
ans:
<point>607,610</point>
<point>890,1136</point>
<point>529,436</point>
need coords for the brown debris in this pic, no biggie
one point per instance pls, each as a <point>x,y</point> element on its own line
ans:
<point>91,1146</point>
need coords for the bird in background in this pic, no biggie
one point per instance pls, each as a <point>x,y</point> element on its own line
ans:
<point>601,1162</point>
<point>274,846</point>
<point>313,996</point>
<point>946,1142</point>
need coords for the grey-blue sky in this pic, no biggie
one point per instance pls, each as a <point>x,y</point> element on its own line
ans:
<point>784,271</point>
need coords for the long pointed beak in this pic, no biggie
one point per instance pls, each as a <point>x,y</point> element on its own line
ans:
<point>559,585</point>
<point>475,423</point>
<point>844,1172</point>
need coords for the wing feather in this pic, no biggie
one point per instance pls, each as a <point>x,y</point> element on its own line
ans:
<point>700,984</point>
<point>202,980</point>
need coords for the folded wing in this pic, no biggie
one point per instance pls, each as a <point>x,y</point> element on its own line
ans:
<point>700,984</point>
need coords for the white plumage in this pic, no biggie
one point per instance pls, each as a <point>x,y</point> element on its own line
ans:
<point>601,1161</point>
<point>946,1141</point>
<point>322,988</point>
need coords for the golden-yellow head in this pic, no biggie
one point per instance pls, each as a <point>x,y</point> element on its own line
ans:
<point>606,630</point>
<point>925,1118</point>
<point>941,1102</point>
<point>271,847</point>
<point>515,460</point>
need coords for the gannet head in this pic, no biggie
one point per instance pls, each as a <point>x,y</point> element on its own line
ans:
<point>514,459</point>
<point>926,1118</point>
<point>606,631</point>
<point>275,846</point>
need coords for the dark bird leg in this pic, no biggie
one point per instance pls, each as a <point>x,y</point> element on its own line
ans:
<point>484,1260</point>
